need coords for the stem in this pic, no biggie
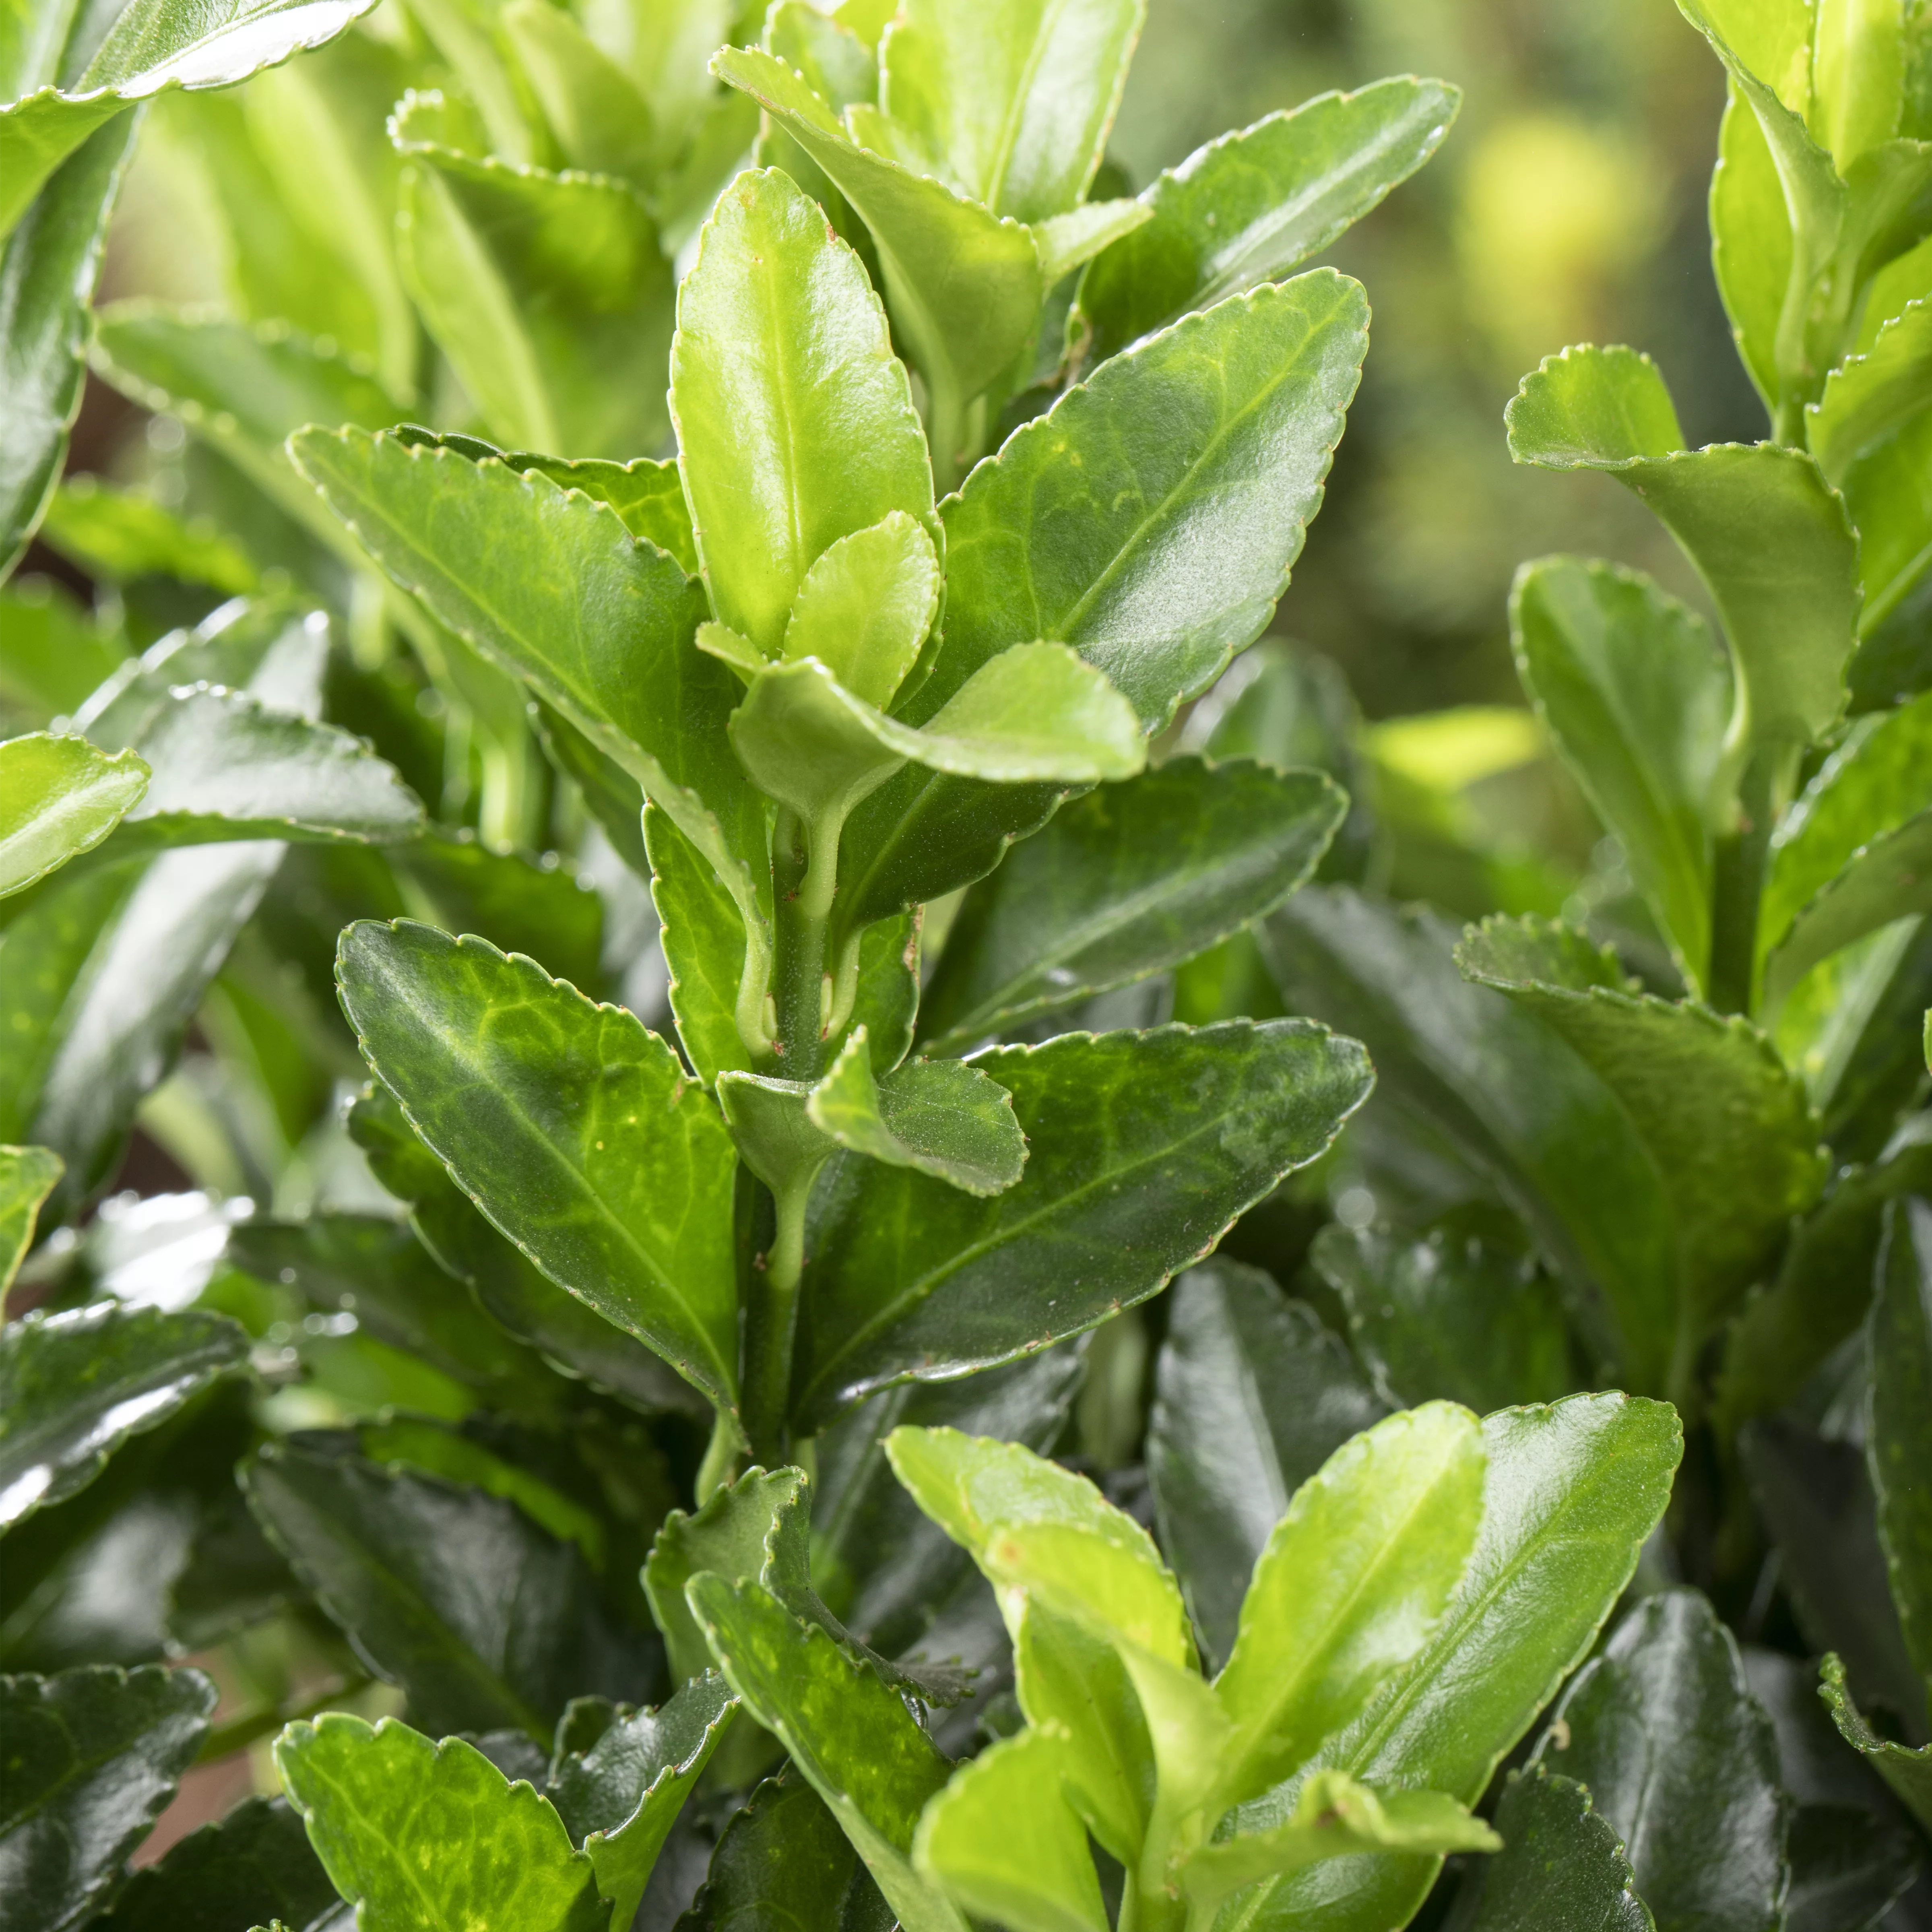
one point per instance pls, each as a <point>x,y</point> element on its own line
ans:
<point>947,432</point>
<point>1737,876</point>
<point>774,1324</point>
<point>805,873</point>
<point>721,1456</point>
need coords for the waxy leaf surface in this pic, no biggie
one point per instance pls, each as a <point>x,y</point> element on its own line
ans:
<point>59,797</point>
<point>27,1177</point>
<point>1562,1867</point>
<point>255,1865</point>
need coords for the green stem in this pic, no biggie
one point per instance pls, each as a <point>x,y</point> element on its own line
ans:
<point>721,1456</point>
<point>1737,876</point>
<point>773,1324</point>
<point>805,874</point>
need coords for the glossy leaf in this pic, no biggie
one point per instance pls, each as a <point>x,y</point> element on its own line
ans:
<point>48,264</point>
<point>1347,1588</point>
<point>569,1125</point>
<point>1250,206</point>
<point>1898,1419</point>
<point>59,797</point>
<point>864,607</point>
<point>941,1117</point>
<point>795,426</point>
<point>1143,1148</point>
<point>619,1796</point>
<point>74,1386</point>
<point>1187,531</point>
<point>1223,1470</point>
<point>1562,1866</point>
<point>1006,1844</point>
<point>255,1865</point>
<point>423,1835</point>
<point>486,1620</point>
<point>1867,397</point>
<point>1014,101</point>
<point>599,118</point>
<point>1125,882</point>
<point>1772,543</point>
<point>1729,1127</point>
<point>703,941</point>
<point>1848,1868</point>
<point>1908,1773</point>
<point>92,1757</point>
<point>1637,696</point>
<point>1891,504</point>
<point>28,1175</point>
<point>1573,1491</point>
<point>1681,1759</point>
<point>851,1736</point>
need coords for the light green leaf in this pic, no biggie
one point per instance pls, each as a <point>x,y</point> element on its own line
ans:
<point>419,1836</point>
<point>1767,534</point>
<point>1127,881</point>
<point>864,607</point>
<point>703,942</point>
<point>1194,466</point>
<point>74,1386</point>
<point>119,534</point>
<point>1250,206</point>
<point>57,651</point>
<point>965,286</point>
<point>1908,1772</point>
<point>1637,696</point>
<point>1142,1148</point>
<point>49,264</point>
<point>1888,490</point>
<point>1867,396</point>
<point>795,422</point>
<point>942,1117</point>
<point>1004,1841</point>
<point>1751,240</point>
<point>1561,1867</point>
<point>1070,240</point>
<point>1349,1587</point>
<point>1335,1817</point>
<point>1858,77</point>
<point>59,797</point>
<point>853,1737</point>
<point>569,1125</point>
<point>1898,1419</point>
<point>1572,1492</point>
<point>27,1177</point>
<point>600,122</point>
<point>1013,99</point>
<point>548,292</point>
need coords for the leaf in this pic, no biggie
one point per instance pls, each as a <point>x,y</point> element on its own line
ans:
<point>468,538</point>
<point>964,287</point>
<point>1682,1761</point>
<point>74,1386</point>
<point>418,1835</point>
<point>1007,1845</point>
<point>1071,240</point>
<point>1751,242</point>
<point>59,797</point>
<point>1637,696</point>
<point>28,1175</point>
<point>49,264</point>
<point>1143,1147</point>
<point>516,1082</point>
<point>122,534</point>
<point>864,607</point>
<point>1223,1470</point>
<point>56,651</point>
<point>1898,1418</point>
<point>1867,396</point>
<point>795,423</point>
<point>486,1620</point>
<point>92,1758</point>
<point>704,942</point>
<point>1729,1127</point>
<point>600,120</point>
<point>1561,1868</point>
<point>548,292</point>
<point>1573,1490</point>
<point>1890,505</point>
<point>619,1797</point>
<point>1335,1817</point>
<point>1908,1773</point>
<point>1015,99</point>
<point>783,1854</point>
<point>1348,1587</point>
<point>1513,1098</point>
<point>1765,530</point>
<point>255,1865</point>
<point>941,1117</point>
<point>849,1734</point>
<point>1445,1316</point>
<point>1250,206</point>
<point>1124,883</point>
<point>1849,1868</point>
<point>1192,468</point>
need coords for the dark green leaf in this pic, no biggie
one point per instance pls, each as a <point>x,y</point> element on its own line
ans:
<point>703,941</point>
<point>1848,1868</point>
<point>254,1866</point>
<point>74,1386</point>
<point>485,1620</point>
<point>1562,1867</point>
<point>572,1127</point>
<point>1908,1773</point>
<point>48,266</point>
<point>59,797</point>
<point>1223,1470</point>
<point>782,1862</point>
<point>1143,1147</point>
<point>420,1835</point>
<point>1449,1316</point>
<point>1680,1758</point>
<point>1250,206</point>
<point>27,1177</point>
<point>1898,1419</point>
<point>92,1757</point>
<point>1126,882</point>
<point>610,794</point>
